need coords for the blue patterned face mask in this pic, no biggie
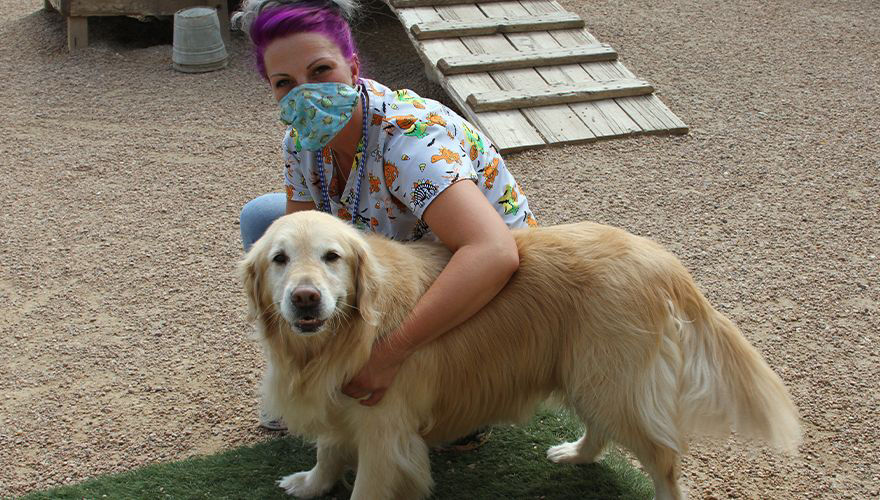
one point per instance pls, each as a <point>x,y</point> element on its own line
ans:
<point>318,111</point>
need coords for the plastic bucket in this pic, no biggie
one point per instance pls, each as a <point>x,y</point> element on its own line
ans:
<point>198,45</point>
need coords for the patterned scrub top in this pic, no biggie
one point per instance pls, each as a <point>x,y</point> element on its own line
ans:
<point>416,148</point>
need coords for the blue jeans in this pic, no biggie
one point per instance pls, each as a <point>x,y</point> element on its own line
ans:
<point>258,214</point>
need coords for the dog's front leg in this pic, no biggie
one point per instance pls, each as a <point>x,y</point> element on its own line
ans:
<point>392,466</point>
<point>332,459</point>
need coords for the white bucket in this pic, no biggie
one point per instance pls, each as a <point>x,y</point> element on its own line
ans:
<point>198,45</point>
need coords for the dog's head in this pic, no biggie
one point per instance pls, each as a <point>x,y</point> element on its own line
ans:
<point>313,270</point>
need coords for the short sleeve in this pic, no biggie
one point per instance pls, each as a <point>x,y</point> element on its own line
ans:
<point>294,177</point>
<point>423,157</point>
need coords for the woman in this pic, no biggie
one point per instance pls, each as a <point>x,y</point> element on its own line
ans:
<point>388,161</point>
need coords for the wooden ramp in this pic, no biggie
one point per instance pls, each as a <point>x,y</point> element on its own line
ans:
<point>528,74</point>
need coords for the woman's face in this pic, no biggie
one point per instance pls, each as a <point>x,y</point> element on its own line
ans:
<point>306,58</point>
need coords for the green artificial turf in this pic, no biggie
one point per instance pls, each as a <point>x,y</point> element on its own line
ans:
<point>512,464</point>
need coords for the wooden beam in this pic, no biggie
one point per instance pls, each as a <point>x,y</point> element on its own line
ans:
<point>77,12</point>
<point>77,33</point>
<point>449,29</point>
<point>88,8</point>
<point>473,63</point>
<point>399,4</point>
<point>499,100</point>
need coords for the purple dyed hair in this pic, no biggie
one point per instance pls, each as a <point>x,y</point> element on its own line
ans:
<point>279,22</point>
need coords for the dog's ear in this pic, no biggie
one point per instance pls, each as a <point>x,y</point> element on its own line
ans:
<point>368,280</point>
<point>249,272</point>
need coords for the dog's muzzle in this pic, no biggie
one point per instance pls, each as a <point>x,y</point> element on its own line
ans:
<point>306,302</point>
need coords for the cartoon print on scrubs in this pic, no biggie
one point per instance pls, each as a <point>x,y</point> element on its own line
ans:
<point>490,173</point>
<point>405,96</point>
<point>374,184</point>
<point>416,148</point>
<point>508,200</point>
<point>474,141</point>
<point>447,155</point>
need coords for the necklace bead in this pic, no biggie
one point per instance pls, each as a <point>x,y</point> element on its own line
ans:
<point>319,160</point>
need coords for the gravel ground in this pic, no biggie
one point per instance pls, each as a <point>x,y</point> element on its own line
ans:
<point>122,339</point>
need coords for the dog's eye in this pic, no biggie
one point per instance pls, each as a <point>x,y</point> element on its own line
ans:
<point>331,256</point>
<point>280,258</point>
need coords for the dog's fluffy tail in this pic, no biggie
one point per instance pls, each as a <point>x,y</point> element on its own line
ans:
<point>726,383</point>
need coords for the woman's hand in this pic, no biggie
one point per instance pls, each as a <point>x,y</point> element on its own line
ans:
<point>371,382</point>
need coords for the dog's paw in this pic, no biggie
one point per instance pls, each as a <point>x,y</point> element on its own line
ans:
<point>303,485</point>
<point>569,453</point>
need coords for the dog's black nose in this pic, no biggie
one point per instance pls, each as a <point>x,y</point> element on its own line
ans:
<point>306,297</point>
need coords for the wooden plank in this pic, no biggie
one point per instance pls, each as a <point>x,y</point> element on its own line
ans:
<point>538,7</point>
<point>652,119</point>
<point>77,33</point>
<point>453,65</point>
<point>559,93</point>
<point>409,18</point>
<point>131,7</point>
<point>603,118</point>
<point>446,29</point>
<point>400,4</point>
<point>557,123</point>
<point>651,109</point>
<point>508,130</point>
<point>88,8</point>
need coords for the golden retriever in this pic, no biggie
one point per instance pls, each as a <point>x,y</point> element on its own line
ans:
<point>608,323</point>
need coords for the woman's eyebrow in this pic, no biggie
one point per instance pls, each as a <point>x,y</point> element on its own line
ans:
<point>316,61</point>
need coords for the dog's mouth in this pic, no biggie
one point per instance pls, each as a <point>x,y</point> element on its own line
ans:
<point>308,324</point>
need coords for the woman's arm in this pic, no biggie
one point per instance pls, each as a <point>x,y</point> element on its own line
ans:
<point>484,258</point>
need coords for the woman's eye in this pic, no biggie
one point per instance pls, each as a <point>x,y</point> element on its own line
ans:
<point>331,256</point>
<point>321,69</point>
<point>282,83</point>
<point>280,258</point>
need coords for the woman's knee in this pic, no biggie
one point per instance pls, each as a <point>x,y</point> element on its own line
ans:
<point>258,214</point>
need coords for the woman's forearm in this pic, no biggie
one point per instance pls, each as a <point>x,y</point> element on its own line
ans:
<point>473,276</point>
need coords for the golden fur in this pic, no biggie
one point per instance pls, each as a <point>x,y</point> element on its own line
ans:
<point>608,323</point>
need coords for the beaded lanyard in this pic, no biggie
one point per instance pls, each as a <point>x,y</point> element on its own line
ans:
<point>319,158</point>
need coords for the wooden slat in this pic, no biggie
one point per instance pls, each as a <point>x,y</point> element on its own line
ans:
<point>410,18</point>
<point>558,124</point>
<point>80,10</point>
<point>508,130</point>
<point>648,112</point>
<point>556,94</point>
<point>603,118</point>
<point>453,65</point>
<point>77,33</point>
<point>446,29</point>
<point>129,7</point>
<point>399,4</point>
<point>518,129</point>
